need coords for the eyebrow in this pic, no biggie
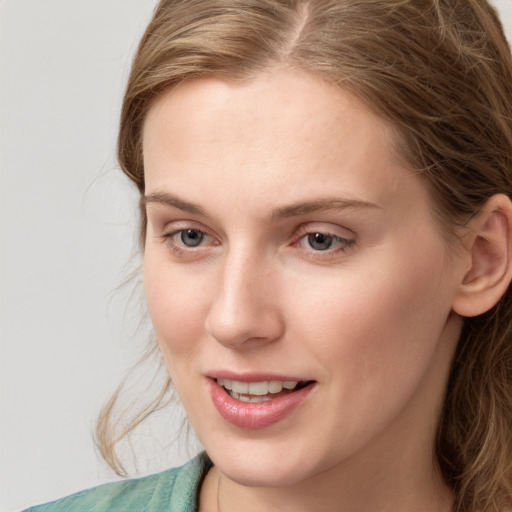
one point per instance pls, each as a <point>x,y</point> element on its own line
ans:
<point>170,200</point>
<point>293,210</point>
<point>318,205</point>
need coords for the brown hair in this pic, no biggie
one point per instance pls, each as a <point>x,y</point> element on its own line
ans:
<point>441,72</point>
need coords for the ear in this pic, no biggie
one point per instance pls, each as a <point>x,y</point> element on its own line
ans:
<point>489,249</point>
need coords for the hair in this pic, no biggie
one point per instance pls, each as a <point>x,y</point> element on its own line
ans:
<point>441,72</point>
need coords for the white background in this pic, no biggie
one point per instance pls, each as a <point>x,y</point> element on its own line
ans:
<point>67,224</point>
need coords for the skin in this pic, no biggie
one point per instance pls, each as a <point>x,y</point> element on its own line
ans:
<point>370,319</point>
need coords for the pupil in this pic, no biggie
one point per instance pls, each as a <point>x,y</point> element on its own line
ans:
<point>191,237</point>
<point>320,241</point>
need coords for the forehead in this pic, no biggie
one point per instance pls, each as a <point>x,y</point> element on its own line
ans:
<point>285,131</point>
<point>281,98</point>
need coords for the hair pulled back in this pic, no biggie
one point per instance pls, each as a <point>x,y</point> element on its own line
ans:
<point>441,72</point>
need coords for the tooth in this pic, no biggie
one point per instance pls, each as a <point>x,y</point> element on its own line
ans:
<point>240,387</point>
<point>258,388</point>
<point>274,386</point>
<point>252,399</point>
<point>259,399</point>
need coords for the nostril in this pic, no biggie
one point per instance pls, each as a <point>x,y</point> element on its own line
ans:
<point>244,325</point>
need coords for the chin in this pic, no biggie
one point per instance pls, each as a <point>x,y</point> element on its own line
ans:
<point>264,466</point>
<point>267,476</point>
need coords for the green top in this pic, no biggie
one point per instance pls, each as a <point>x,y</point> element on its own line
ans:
<point>174,490</point>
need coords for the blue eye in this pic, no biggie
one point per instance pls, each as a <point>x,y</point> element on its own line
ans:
<point>188,243</point>
<point>320,241</point>
<point>191,237</point>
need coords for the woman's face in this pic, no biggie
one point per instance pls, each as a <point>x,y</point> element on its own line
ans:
<point>289,247</point>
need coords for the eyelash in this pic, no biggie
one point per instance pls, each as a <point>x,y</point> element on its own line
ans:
<point>181,249</point>
<point>342,243</point>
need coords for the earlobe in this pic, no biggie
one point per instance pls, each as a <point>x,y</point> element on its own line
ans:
<point>489,247</point>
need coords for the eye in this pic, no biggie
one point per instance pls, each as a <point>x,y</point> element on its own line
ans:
<point>190,237</point>
<point>188,241</point>
<point>319,241</point>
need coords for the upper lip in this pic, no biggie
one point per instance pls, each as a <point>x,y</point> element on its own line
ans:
<point>253,376</point>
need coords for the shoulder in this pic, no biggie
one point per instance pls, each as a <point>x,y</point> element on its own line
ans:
<point>174,490</point>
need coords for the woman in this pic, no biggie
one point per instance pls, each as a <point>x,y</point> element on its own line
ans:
<point>326,228</point>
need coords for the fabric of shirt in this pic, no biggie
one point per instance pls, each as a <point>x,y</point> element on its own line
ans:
<point>173,490</point>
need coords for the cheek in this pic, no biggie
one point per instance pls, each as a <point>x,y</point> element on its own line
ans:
<point>381,324</point>
<point>376,344</point>
<point>177,305</point>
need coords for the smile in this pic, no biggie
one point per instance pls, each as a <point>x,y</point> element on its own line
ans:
<point>260,403</point>
<point>257,392</point>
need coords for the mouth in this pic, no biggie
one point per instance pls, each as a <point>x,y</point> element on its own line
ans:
<point>262,391</point>
<point>262,402</point>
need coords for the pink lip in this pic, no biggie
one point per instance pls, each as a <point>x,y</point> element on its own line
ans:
<point>252,376</point>
<point>255,415</point>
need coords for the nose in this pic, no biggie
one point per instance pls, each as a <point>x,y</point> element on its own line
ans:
<point>244,310</point>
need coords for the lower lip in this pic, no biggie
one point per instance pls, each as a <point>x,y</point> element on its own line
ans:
<point>256,415</point>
